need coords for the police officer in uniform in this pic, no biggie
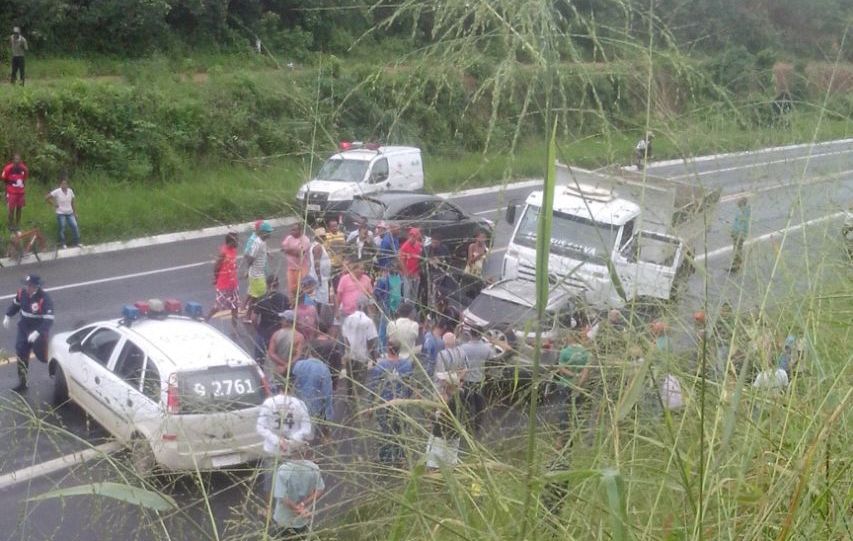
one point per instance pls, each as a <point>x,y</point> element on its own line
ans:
<point>36,310</point>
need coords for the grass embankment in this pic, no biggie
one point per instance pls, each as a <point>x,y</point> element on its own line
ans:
<point>221,194</point>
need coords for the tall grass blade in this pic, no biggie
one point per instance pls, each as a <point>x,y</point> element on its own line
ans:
<point>149,499</point>
<point>614,490</point>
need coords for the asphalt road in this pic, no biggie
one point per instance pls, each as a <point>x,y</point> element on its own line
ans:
<point>786,188</point>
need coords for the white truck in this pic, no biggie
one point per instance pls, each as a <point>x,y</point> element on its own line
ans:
<point>360,169</point>
<point>616,237</point>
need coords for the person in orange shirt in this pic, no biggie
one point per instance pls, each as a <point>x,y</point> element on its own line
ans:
<point>410,265</point>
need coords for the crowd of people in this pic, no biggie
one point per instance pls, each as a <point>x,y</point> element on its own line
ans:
<point>353,316</point>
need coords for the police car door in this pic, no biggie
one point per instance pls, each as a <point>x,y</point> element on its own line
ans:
<point>90,371</point>
<point>133,407</point>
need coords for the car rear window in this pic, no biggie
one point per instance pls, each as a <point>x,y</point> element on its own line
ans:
<point>219,389</point>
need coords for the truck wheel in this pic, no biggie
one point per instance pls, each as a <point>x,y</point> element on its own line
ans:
<point>60,385</point>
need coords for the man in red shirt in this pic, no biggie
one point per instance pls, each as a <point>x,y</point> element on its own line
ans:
<point>14,175</point>
<point>410,265</point>
<point>225,279</point>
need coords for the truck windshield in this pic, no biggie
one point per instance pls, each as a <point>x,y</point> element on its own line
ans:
<point>571,236</point>
<point>340,170</point>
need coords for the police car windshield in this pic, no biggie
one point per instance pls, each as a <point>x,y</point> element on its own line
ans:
<point>220,389</point>
<point>571,236</point>
<point>342,170</point>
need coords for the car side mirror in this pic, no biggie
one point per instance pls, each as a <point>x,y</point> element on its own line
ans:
<point>510,213</point>
<point>75,347</point>
<point>376,178</point>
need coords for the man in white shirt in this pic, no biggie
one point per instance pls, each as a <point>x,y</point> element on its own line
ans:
<point>285,425</point>
<point>361,337</point>
<point>62,199</point>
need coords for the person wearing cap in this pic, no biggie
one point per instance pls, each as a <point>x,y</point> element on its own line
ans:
<point>15,175</point>
<point>320,267</point>
<point>284,426</point>
<point>297,257</point>
<point>36,309</point>
<point>225,280</point>
<point>18,45</point>
<point>256,261</point>
<point>285,346</point>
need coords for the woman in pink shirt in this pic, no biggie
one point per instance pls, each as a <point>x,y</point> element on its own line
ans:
<point>351,286</point>
<point>295,247</point>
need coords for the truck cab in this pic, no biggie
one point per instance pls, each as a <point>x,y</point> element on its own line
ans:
<point>360,169</point>
<point>613,240</point>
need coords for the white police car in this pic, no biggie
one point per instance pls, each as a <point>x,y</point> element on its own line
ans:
<point>177,392</point>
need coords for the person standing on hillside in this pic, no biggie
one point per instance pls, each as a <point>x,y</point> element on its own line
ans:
<point>225,280</point>
<point>740,229</point>
<point>15,175</point>
<point>62,199</point>
<point>644,150</point>
<point>18,44</point>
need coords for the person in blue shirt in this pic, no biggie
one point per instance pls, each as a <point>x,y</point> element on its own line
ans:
<point>36,310</point>
<point>312,383</point>
<point>391,379</point>
<point>433,344</point>
<point>390,247</point>
<point>740,230</point>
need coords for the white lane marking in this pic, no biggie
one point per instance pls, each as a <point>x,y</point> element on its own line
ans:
<point>144,242</point>
<point>57,464</point>
<point>686,161</point>
<point>779,232</point>
<point>486,211</point>
<point>118,278</point>
<point>492,189</point>
<point>816,180</point>
<point>755,165</point>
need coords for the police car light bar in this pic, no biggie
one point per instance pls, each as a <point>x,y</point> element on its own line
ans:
<point>172,306</point>
<point>143,307</point>
<point>194,310</point>
<point>130,313</point>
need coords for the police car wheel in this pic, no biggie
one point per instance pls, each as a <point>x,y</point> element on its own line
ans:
<point>60,386</point>
<point>141,456</point>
